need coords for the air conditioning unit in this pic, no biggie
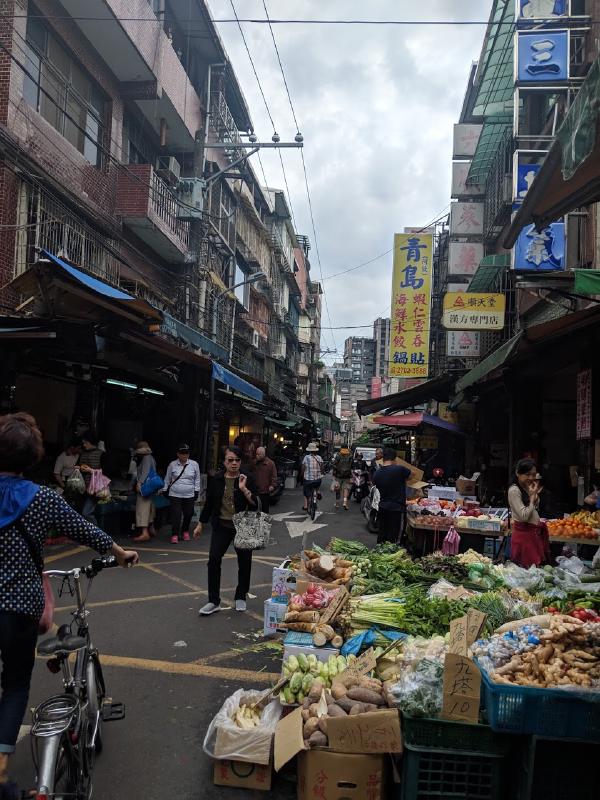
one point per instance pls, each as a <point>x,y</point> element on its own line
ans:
<point>168,168</point>
<point>255,339</point>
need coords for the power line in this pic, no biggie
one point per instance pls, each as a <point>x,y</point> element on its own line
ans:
<point>259,21</point>
<point>287,88</point>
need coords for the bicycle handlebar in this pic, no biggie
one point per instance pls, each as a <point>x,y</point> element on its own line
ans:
<point>92,569</point>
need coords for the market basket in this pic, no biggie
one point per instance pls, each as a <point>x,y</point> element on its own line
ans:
<point>554,713</point>
<point>443,734</point>
<point>460,775</point>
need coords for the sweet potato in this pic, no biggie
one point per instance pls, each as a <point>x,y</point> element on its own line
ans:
<point>310,726</point>
<point>305,716</point>
<point>316,690</point>
<point>314,710</point>
<point>323,725</point>
<point>365,696</point>
<point>318,739</point>
<point>357,708</point>
<point>345,703</point>
<point>335,710</point>
<point>306,702</point>
<point>373,684</point>
<point>338,691</point>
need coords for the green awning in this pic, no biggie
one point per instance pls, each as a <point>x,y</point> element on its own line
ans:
<point>283,423</point>
<point>494,361</point>
<point>493,135</point>
<point>577,134</point>
<point>484,280</point>
<point>587,281</point>
<point>495,73</point>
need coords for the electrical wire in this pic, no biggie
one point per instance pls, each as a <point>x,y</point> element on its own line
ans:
<point>285,83</point>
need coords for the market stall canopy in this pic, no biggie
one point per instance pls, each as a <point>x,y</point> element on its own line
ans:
<point>490,364</point>
<point>220,373</point>
<point>570,175</point>
<point>415,420</point>
<point>587,281</point>
<point>435,389</point>
<point>282,423</point>
<point>54,271</point>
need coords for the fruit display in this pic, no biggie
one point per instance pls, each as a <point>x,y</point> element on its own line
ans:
<point>587,517</point>
<point>570,528</point>
<point>304,671</point>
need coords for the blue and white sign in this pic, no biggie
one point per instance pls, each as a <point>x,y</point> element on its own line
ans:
<point>543,56</point>
<point>540,251</point>
<point>541,9</point>
<point>525,176</point>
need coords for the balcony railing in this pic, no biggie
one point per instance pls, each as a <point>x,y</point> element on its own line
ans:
<point>498,189</point>
<point>165,204</point>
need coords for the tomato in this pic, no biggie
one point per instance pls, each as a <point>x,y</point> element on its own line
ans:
<point>552,610</point>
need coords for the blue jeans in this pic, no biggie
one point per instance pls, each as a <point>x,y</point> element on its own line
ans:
<point>18,636</point>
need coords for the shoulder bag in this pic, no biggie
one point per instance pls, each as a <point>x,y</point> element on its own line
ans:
<point>47,617</point>
<point>152,483</point>
<point>177,478</point>
<point>252,529</point>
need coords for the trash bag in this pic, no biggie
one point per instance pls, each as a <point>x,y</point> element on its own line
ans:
<point>224,740</point>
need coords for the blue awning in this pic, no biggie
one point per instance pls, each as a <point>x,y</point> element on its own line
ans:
<point>179,330</point>
<point>219,373</point>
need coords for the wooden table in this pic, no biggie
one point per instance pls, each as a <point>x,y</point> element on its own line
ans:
<point>420,533</point>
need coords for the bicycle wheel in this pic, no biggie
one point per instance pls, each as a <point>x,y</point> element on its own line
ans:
<point>96,692</point>
<point>312,505</point>
<point>64,772</point>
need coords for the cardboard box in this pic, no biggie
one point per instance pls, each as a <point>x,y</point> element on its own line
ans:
<point>466,487</point>
<point>242,775</point>
<point>339,776</point>
<point>376,733</point>
<point>442,493</point>
<point>274,615</point>
<point>415,479</point>
<point>283,583</point>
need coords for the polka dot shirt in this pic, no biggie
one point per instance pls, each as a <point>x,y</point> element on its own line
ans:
<point>20,583</point>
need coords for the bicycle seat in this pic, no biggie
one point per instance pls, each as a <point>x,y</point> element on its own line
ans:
<point>55,646</point>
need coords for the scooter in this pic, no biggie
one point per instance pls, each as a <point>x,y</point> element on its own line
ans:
<point>370,508</point>
<point>360,488</point>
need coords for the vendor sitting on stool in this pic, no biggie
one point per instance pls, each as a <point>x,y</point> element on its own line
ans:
<point>530,543</point>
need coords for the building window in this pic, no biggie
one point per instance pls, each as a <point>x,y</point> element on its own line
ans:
<point>242,292</point>
<point>57,87</point>
<point>137,147</point>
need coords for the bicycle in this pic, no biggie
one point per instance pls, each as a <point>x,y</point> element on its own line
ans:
<point>312,502</point>
<point>66,734</point>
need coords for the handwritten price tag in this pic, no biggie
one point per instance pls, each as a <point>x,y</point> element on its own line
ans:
<point>462,689</point>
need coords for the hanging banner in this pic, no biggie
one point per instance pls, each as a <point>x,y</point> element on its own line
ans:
<point>542,56</point>
<point>466,219</point>
<point>462,344</point>
<point>540,251</point>
<point>471,311</point>
<point>464,257</point>
<point>584,404</point>
<point>411,305</point>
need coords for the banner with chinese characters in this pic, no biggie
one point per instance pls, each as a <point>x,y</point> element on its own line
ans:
<point>471,311</point>
<point>584,404</point>
<point>540,251</point>
<point>411,305</point>
<point>542,56</point>
<point>462,344</point>
<point>464,257</point>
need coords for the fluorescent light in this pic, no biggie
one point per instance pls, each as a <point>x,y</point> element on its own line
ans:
<point>152,391</point>
<point>122,384</point>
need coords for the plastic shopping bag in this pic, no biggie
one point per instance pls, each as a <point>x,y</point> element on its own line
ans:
<point>335,485</point>
<point>225,740</point>
<point>75,483</point>
<point>98,485</point>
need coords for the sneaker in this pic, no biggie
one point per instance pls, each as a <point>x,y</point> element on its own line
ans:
<point>174,539</point>
<point>240,605</point>
<point>186,536</point>
<point>208,609</point>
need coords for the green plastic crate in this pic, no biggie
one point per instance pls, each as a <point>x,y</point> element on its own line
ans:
<point>443,734</point>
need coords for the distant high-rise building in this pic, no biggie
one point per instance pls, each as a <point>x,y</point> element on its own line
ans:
<point>359,356</point>
<point>381,335</point>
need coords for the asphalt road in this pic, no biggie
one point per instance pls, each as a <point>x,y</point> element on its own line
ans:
<point>172,668</point>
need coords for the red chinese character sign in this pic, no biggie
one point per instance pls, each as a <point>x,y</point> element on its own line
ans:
<point>584,404</point>
<point>411,305</point>
<point>464,257</point>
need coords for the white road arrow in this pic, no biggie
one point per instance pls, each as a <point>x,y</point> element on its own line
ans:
<point>298,529</point>
<point>281,517</point>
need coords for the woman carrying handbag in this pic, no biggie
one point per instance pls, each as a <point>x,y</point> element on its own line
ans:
<point>230,492</point>
<point>182,486</point>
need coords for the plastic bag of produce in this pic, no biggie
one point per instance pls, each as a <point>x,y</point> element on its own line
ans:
<point>573,564</point>
<point>420,692</point>
<point>533,580</point>
<point>226,739</point>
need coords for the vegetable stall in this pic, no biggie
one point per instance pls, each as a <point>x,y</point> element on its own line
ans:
<point>441,676</point>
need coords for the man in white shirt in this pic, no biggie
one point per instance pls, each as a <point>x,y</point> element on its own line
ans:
<point>66,463</point>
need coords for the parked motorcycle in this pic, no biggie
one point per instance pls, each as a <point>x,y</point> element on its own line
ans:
<point>360,487</point>
<point>370,508</point>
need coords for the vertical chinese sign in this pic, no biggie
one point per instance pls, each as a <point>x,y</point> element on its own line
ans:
<point>584,404</point>
<point>411,305</point>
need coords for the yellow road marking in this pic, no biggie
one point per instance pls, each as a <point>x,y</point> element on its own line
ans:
<point>65,554</point>
<point>167,550</point>
<point>102,603</point>
<point>242,676</point>
<point>174,578</point>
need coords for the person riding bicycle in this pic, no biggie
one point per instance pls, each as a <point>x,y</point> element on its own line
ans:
<point>342,472</point>
<point>311,472</point>
<point>28,512</point>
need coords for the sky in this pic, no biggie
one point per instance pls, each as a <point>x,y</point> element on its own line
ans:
<point>376,106</point>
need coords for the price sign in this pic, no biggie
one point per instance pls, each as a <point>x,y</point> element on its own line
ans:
<point>462,689</point>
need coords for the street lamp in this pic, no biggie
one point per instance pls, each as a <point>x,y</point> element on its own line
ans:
<point>252,279</point>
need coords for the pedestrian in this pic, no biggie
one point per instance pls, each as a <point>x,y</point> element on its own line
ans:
<point>265,478</point>
<point>145,510</point>
<point>66,463</point>
<point>529,541</point>
<point>28,512</point>
<point>390,479</point>
<point>230,491</point>
<point>376,462</point>
<point>311,472</point>
<point>342,472</point>
<point>182,486</point>
<point>93,457</point>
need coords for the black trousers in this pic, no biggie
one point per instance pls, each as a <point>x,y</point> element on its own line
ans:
<point>181,507</point>
<point>392,526</point>
<point>221,538</point>
<point>18,636</point>
<point>265,502</point>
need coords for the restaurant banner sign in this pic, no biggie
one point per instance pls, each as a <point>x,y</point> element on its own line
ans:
<point>411,305</point>
<point>471,311</point>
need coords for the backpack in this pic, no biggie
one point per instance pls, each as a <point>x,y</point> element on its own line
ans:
<point>343,466</point>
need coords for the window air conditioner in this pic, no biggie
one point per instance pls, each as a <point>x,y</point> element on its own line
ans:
<point>255,339</point>
<point>168,168</point>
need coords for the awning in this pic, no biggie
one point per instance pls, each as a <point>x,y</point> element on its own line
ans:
<point>283,423</point>
<point>587,281</point>
<point>494,132</point>
<point>570,175</point>
<point>179,330</point>
<point>486,277</point>
<point>222,374</point>
<point>435,389</point>
<point>415,420</point>
<point>495,79</point>
<point>493,362</point>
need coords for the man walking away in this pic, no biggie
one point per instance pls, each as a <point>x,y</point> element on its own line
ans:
<point>390,479</point>
<point>265,477</point>
<point>342,472</point>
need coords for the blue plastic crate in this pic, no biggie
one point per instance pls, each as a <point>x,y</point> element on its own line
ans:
<point>298,639</point>
<point>554,713</point>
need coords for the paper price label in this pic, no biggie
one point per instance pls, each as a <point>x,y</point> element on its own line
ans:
<point>462,689</point>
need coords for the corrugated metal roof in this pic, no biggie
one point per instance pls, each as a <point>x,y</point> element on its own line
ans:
<point>494,130</point>
<point>485,278</point>
<point>489,364</point>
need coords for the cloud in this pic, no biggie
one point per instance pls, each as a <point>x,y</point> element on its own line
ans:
<point>376,106</point>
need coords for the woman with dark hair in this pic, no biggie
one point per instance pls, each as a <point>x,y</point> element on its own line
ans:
<point>530,543</point>
<point>27,513</point>
<point>91,458</point>
<point>229,492</point>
